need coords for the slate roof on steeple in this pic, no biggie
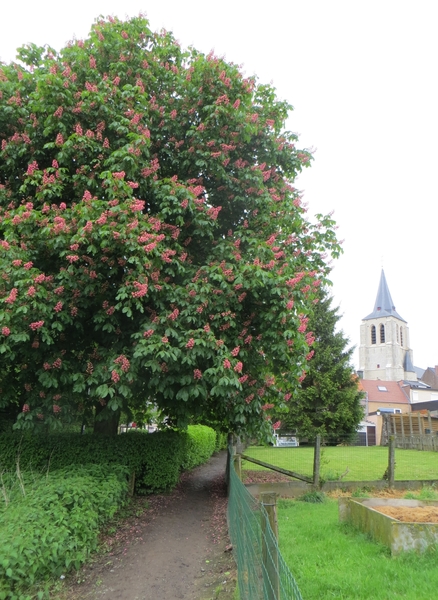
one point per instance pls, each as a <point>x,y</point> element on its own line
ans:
<point>384,306</point>
<point>408,366</point>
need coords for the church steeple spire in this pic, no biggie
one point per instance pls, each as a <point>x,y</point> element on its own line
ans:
<point>384,306</point>
<point>384,351</point>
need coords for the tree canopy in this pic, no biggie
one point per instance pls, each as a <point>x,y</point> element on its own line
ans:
<point>329,402</point>
<point>152,243</point>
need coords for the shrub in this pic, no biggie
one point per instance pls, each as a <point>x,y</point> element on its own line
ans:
<point>55,525</point>
<point>155,458</point>
<point>313,497</point>
<point>221,441</point>
<point>199,445</point>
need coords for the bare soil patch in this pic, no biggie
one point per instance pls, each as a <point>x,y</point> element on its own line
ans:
<point>263,477</point>
<point>169,547</point>
<point>420,514</point>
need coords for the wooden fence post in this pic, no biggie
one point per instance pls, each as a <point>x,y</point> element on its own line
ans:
<point>131,484</point>
<point>391,461</point>
<point>317,461</point>
<point>271,576</point>
<point>238,466</point>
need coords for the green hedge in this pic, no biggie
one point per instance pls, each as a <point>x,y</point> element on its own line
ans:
<point>55,525</point>
<point>199,445</point>
<point>156,458</point>
<point>221,441</point>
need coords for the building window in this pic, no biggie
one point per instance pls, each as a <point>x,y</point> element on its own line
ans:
<point>401,335</point>
<point>382,334</point>
<point>373,334</point>
<point>398,339</point>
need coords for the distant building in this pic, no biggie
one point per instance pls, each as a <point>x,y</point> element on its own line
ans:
<point>384,351</point>
<point>391,383</point>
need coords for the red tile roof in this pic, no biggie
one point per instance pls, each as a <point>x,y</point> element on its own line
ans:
<point>393,392</point>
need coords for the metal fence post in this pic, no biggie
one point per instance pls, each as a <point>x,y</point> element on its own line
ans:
<point>317,461</point>
<point>391,461</point>
<point>229,458</point>
<point>270,546</point>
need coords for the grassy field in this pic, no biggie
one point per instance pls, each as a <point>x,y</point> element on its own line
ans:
<point>353,463</point>
<point>331,560</point>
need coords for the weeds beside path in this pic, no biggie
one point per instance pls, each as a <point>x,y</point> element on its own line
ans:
<point>172,547</point>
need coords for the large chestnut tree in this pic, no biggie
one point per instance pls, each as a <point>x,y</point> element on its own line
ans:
<point>153,246</point>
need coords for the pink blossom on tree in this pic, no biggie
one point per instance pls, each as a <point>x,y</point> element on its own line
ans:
<point>103,194</point>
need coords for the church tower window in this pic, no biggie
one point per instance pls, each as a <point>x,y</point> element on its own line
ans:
<point>373,334</point>
<point>401,335</point>
<point>398,339</point>
<point>382,334</point>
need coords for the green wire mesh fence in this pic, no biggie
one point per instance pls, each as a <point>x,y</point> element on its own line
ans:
<point>262,572</point>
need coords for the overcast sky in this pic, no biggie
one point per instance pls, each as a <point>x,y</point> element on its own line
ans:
<point>362,79</point>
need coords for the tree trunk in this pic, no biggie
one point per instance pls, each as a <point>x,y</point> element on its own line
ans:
<point>109,423</point>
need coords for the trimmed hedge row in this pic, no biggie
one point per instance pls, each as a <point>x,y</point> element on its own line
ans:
<point>155,458</point>
<point>55,525</point>
<point>199,445</point>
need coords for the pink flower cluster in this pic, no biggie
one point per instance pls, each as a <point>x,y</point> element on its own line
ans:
<point>213,212</point>
<point>227,364</point>
<point>36,325</point>
<point>142,289</point>
<point>123,362</point>
<point>197,374</point>
<point>26,408</point>
<point>165,256</point>
<point>235,351</point>
<point>6,331</point>
<point>148,333</point>
<point>137,205</point>
<point>295,280</point>
<point>303,323</point>
<point>190,343</point>
<point>12,296</point>
<point>58,307</point>
<point>115,377</point>
<point>56,409</point>
<point>32,167</point>
<point>174,315</point>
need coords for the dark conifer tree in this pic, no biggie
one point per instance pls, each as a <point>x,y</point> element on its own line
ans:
<point>329,401</point>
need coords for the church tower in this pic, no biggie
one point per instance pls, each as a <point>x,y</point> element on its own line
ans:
<point>384,351</point>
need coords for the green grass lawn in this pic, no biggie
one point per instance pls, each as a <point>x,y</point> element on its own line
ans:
<point>358,462</point>
<point>331,560</point>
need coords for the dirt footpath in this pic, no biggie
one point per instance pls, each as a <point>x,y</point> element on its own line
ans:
<point>171,547</point>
